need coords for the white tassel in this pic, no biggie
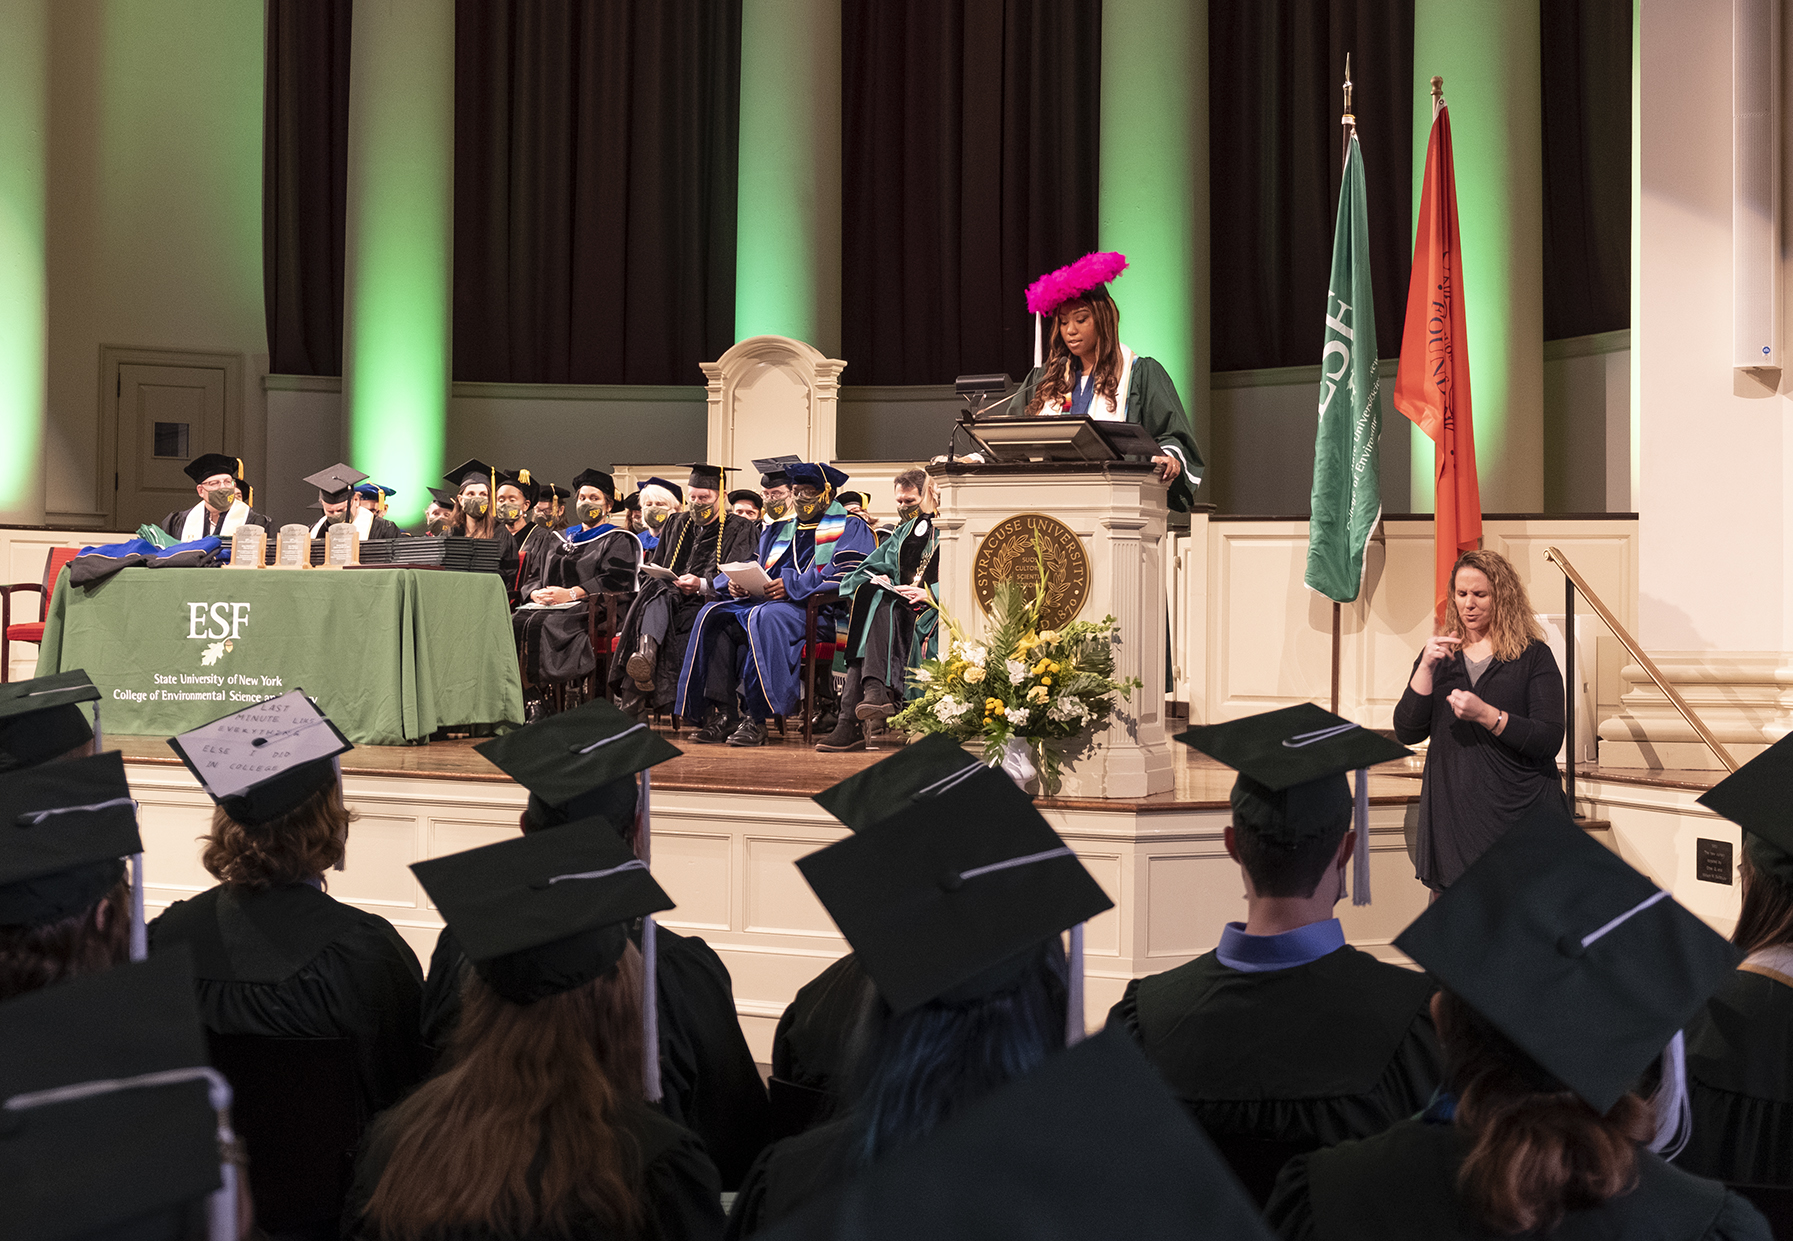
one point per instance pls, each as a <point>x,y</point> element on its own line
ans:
<point>1074,991</point>
<point>139,932</point>
<point>1360,860</point>
<point>650,987</point>
<point>1673,1110</point>
<point>1037,355</point>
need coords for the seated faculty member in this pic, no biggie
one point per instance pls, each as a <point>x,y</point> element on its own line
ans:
<point>957,920</point>
<point>1740,1046</point>
<point>541,1124</point>
<point>748,650</point>
<point>746,502</point>
<point>340,500</point>
<point>775,487</point>
<point>440,514</point>
<point>894,618</point>
<point>273,954</point>
<point>476,512</point>
<point>222,506</point>
<point>1565,975</point>
<point>692,547</point>
<point>1285,1038</point>
<point>710,1082</point>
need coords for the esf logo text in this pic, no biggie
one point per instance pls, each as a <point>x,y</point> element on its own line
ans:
<point>216,620</point>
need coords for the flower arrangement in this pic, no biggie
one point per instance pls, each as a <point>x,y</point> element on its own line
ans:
<point>1021,685</point>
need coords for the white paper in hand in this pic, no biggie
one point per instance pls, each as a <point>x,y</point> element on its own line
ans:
<point>660,571</point>
<point>261,741</point>
<point>749,576</point>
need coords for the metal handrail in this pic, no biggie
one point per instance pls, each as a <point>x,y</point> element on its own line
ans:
<point>1572,580</point>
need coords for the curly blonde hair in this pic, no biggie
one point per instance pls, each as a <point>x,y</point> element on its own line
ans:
<point>1511,624</point>
<point>301,844</point>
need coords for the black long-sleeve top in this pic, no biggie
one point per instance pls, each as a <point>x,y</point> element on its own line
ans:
<point>1477,784</point>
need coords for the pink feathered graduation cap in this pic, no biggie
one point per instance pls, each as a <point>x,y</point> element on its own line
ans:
<point>1055,288</point>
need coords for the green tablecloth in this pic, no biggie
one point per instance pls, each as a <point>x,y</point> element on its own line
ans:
<point>391,655</point>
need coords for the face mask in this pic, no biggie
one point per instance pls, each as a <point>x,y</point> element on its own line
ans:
<point>908,512</point>
<point>509,513</point>
<point>654,517</point>
<point>437,525</point>
<point>591,513</point>
<point>779,511</point>
<point>335,519</point>
<point>807,509</point>
<point>475,507</point>
<point>706,513</point>
<point>219,499</point>
<point>540,518</point>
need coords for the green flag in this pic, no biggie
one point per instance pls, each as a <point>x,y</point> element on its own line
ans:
<point>1347,499</point>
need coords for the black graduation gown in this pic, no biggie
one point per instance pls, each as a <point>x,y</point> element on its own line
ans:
<point>555,645</point>
<point>686,546</point>
<point>291,962</point>
<point>1740,1082</point>
<point>173,523</point>
<point>710,1082</point>
<point>1401,1186</point>
<point>786,1176</point>
<point>1283,1061</point>
<point>678,1185</point>
<point>814,1038</point>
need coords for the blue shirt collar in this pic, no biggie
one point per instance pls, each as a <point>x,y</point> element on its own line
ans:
<point>1257,954</point>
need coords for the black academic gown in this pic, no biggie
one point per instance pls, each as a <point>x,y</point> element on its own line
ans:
<point>291,962</point>
<point>175,521</point>
<point>555,645</point>
<point>678,1188</point>
<point>814,1038</point>
<point>708,1076</point>
<point>1740,1083</point>
<point>686,546</point>
<point>1401,1186</point>
<point>787,1176</point>
<point>1275,1063</point>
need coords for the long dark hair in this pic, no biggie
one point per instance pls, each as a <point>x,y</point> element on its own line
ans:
<point>916,1069</point>
<point>519,1134</point>
<point>1539,1150</point>
<point>1767,917</point>
<point>1056,382</point>
<point>36,956</point>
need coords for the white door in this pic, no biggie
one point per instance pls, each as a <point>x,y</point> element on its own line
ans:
<point>166,416</point>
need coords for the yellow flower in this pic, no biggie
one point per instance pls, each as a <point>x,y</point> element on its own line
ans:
<point>1045,680</point>
<point>973,675</point>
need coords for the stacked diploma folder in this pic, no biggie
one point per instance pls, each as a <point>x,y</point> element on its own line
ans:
<point>448,552</point>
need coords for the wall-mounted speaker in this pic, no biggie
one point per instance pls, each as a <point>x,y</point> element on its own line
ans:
<point>1755,184</point>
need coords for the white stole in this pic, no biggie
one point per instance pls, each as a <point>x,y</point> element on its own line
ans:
<point>1101,408</point>
<point>194,526</point>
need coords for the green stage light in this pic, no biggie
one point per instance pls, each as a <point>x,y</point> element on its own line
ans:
<point>23,88</point>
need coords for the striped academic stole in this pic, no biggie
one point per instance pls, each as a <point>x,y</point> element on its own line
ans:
<point>828,531</point>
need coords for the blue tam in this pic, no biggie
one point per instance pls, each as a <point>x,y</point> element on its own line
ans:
<point>815,475</point>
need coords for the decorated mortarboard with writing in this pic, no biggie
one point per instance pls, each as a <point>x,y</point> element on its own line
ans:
<point>953,903</point>
<point>1582,962</point>
<point>581,761</point>
<point>65,830</point>
<point>915,774</point>
<point>266,759</point>
<point>335,484</point>
<point>1089,1144</point>
<point>40,718</point>
<point>1758,797</point>
<point>111,1111</point>
<point>542,913</point>
<point>1292,765</point>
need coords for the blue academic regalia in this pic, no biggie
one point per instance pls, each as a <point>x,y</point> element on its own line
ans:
<point>807,559</point>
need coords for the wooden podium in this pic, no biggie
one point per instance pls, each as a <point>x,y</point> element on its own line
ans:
<point>1113,566</point>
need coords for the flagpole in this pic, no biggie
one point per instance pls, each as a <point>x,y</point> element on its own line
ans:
<point>1348,129</point>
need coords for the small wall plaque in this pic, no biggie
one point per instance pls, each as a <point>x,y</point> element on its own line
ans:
<point>293,549</point>
<point>342,545</point>
<point>249,547</point>
<point>1712,861</point>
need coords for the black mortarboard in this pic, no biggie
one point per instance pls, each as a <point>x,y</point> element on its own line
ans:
<point>632,502</point>
<point>594,478</point>
<point>854,497</point>
<point>772,470</point>
<point>562,494</point>
<point>581,762</point>
<point>542,913</point>
<point>951,904</point>
<point>1089,1144</point>
<point>472,470</point>
<point>125,1150</point>
<point>743,493</point>
<point>39,718</point>
<point>335,484</point>
<point>442,496</point>
<point>1578,959</point>
<point>1758,797</point>
<point>704,477</point>
<point>264,760</point>
<point>65,829</point>
<point>678,492</point>
<point>918,772</point>
<point>522,481</point>
<point>201,468</point>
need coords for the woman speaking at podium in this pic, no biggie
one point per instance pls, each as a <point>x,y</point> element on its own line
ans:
<point>1088,372</point>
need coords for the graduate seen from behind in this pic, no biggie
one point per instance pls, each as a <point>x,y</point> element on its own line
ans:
<point>274,954</point>
<point>956,916</point>
<point>1565,975</point>
<point>1739,1070</point>
<point>580,768</point>
<point>222,506</point>
<point>1284,1038</point>
<point>540,1123</point>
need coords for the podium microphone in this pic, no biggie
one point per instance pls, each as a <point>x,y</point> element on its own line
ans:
<point>974,388</point>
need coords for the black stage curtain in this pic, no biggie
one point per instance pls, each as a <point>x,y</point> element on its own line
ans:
<point>594,198</point>
<point>969,142</point>
<point>1586,64</point>
<point>305,165</point>
<point>1274,98</point>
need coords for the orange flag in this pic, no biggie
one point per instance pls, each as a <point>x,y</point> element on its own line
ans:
<point>1432,380</point>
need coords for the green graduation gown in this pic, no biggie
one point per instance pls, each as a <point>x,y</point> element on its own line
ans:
<point>1153,403</point>
<point>1740,1082</point>
<point>1282,1061</point>
<point>905,555</point>
<point>1401,1185</point>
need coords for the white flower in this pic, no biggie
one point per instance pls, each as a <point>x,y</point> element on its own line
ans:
<point>949,709</point>
<point>1017,716</point>
<point>1017,671</point>
<point>1069,709</point>
<point>923,675</point>
<point>972,653</point>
